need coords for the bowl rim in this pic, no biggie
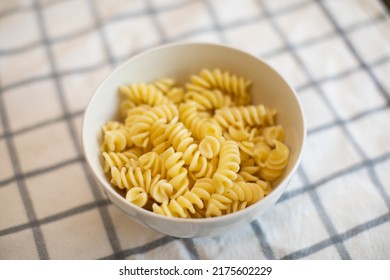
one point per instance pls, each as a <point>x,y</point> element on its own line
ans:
<point>108,187</point>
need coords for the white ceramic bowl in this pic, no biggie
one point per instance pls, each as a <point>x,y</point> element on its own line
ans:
<point>180,61</point>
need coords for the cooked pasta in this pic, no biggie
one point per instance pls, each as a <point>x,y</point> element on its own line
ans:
<point>228,166</point>
<point>154,162</point>
<point>209,147</point>
<point>276,162</point>
<point>177,174</point>
<point>144,94</point>
<point>116,140</point>
<point>236,87</point>
<point>140,129</point>
<point>199,123</point>
<point>208,99</point>
<point>170,89</point>
<point>137,196</point>
<point>113,159</point>
<point>198,151</point>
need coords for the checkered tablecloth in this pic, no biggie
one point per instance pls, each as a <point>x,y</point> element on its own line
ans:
<point>336,54</point>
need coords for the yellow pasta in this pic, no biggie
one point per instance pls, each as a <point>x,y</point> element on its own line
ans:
<point>198,151</point>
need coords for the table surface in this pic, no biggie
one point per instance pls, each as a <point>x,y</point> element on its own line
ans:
<point>336,54</point>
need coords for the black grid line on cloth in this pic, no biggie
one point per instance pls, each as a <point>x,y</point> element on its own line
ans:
<point>98,25</point>
<point>191,248</point>
<point>217,26</point>
<point>40,171</point>
<point>22,188</point>
<point>152,12</point>
<point>326,101</point>
<point>106,219</point>
<point>326,221</point>
<point>145,248</point>
<point>353,51</point>
<point>57,217</point>
<point>323,38</point>
<point>103,38</point>
<point>349,120</point>
<point>379,86</point>
<point>61,74</point>
<point>337,174</point>
<point>330,228</point>
<point>373,176</point>
<point>341,237</point>
<point>85,30</point>
<point>42,124</point>
<point>14,10</point>
<point>343,74</point>
<point>262,238</point>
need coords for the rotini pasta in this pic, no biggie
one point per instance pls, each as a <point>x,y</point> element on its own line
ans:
<point>144,94</point>
<point>276,162</point>
<point>199,123</point>
<point>236,87</point>
<point>170,89</point>
<point>198,151</point>
<point>228,166</point>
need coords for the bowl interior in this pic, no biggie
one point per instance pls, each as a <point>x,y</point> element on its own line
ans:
<point>179,61</point>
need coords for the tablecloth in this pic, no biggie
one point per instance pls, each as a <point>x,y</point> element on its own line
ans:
<point>336,54</point>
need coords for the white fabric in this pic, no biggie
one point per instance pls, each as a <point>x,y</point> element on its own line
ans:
<point>54,53</point>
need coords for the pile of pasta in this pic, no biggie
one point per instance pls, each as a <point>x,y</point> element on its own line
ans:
<point>197,151</point>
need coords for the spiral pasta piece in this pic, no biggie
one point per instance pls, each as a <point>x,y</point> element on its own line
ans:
<point>209,147</point>
<point>140,130</point>
<point>177,174</point>
<point>137,196</point>
<point>200,125</point>
<point>170,89</point>
<point>217,204</point>
<point>144,94</point>
<point>113,159</point>
<point>248,115</point>
<point>208,99</point>
<point>249,173</point>
<point>234,86</point>
<point>228,166</point>
<point>161,191</point>
<point>276,162</point>
<point>116,140</point>
<point>180,207</point>
<point>154,162</point>
<point>164,85</point>
<point>125,106</point>
<point>111,125</point>
<point>170,209</point>
<point>179,137</point>
<point>133,113</point>
<point>204,188</point>
<point>272,133</point>
<point>236,206</point>
<point>133,177</point>
<point>261,152</point>
<point>245,191</point>
<point>190,202</point>
<point>237,132</point>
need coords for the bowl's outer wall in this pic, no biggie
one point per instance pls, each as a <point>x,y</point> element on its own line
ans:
<point>180,61</point>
